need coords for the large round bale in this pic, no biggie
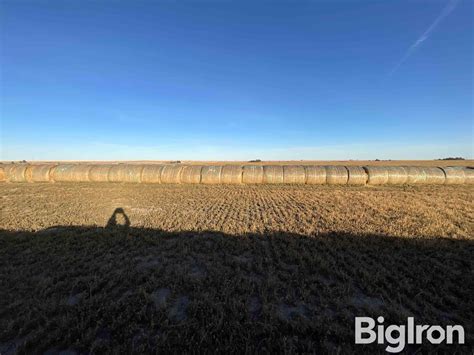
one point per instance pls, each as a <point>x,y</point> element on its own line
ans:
<point>357,175</point>
<point>336,175</point>
<point>434,176</point>
<point>100,173</point>
<point>231,174</point>
<point>469,176</point>
<point>39,173</point>
<point>16,172</point>
<point>70,172</point>
<point>294,174</point>
<point>126,173</point>
<point>273,174</point>
<point>397,175</point>
<point>377,175</point>
<point>253,174</point>
<point>315,175</point>
<point>151,174</point>
<point>454,175</point>
<point>191,174</point>
<point>211,174</point>
<point>2,173</point>
<point>416,175</point>
<point>171,174</point>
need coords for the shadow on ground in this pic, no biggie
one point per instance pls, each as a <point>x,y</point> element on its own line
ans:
<point>127,289</point>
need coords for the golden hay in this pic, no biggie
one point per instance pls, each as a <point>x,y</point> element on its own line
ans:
<point>70,172</point>
<point>151,174</point>
<point>415,175</point>
<point>16,172</point>
<point>211,174</point>
<point>294,174</point>
<point>434,176</point>
<point>336,175</point>
<point>252,174</point>
<point>469,176</point>
<point>100,173</point>
<point>231,174</point>
<point>2,173</point>
<point>315,175</point>
<point>273,174</point>
<point>377,175</point>
<point>191,174</point>
<point>125,173</point>
<point>454,175</point>
<point>357,175</point>
<point>171,174</point>
<point>397,175</point>
<point>39,173</point>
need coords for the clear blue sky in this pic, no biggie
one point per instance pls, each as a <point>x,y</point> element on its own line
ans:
<point>236,80</point>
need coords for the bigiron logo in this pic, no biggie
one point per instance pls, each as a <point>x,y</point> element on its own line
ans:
<point>397,336</point>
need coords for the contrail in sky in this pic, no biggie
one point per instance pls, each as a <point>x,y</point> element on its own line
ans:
<point>446,11</point>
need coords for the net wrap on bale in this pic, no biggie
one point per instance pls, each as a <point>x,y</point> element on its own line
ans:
<point>39,173</point>
<point>397,175</point>
<point>252,174</point>
<point>294,174</point>
<point>357,175</point>
<point>151,174</point>
<point>125,173</point>
<point>211,174</point>
<point>191,174</point>
<point>231,174</point>
<point>70,173</point>
<point>16,172</point>
<point>336,175</point>
<point>454,175</point>
<point>100,173</point>
<point>434,175</point>
<point>171,174</point>
<point>273,174</point>
<point>315,175</point>
<point>469,176</point>
<point>376,175</point>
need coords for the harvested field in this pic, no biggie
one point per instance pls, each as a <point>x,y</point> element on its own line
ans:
<point>93,267</point>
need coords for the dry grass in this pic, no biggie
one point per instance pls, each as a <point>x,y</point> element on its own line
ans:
<point>229,268</point>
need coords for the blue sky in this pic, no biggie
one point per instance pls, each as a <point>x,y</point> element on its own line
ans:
<point>236,80</point>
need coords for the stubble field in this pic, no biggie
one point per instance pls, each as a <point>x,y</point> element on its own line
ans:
<point>229,268</point>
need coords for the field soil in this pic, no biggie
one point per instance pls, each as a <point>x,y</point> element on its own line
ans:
<point>93,267</point>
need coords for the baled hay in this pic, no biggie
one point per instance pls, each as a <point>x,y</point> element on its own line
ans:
<point>469,176</point>
<point>151,174</point>
<point>377,175</point>
<point>357,175</point>
<point>70,173</point>
<point>211,174</point>
<point>231,174</point>
<point>294,174</point>
<point>126,173</point>
<point>2,173</point>
<point>39,173</point>
<point>434,176</point>
<point>100,173</point>
<point>454,175</point>
<point>336,175</point>
<point>191,174</point>
<point>171,174</point>
<point>253,174</point>
<point>397,175</point>
<point>315,175</point>
<point>273,174</point>
<point>16,172</point>
<point>415,175</point>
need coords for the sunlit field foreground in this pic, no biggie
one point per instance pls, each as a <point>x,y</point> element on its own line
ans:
<point>91,267</point>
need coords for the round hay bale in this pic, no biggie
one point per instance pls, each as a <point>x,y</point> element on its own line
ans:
<point>415,175</point>
<point>336,175</point>
<point>126,173</point>
<point>294,174</point>
<point>70,172</point>
<point>469,176</point>
<point>252,174</point>
<point>397,175</point>
<point>151,174</point>
<point>39,173</point>
<point>357,175</point>
<point>273,174</point>
<point>2,173</point>
<point>16,172</point>
<point>171,174</point>
<point>315,175</point>
<point>211,174</point>
<point>191,174</point>
<point>100,173</point>
<point>231,174</point>
<point>434,175</point>
<point>377,175</point>
<point>454,175</point>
